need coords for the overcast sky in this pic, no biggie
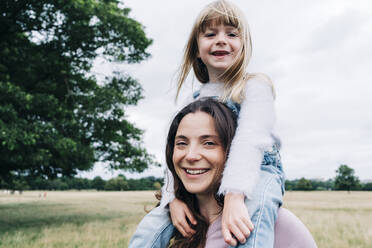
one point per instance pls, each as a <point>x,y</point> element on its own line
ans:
<point>318,54</point>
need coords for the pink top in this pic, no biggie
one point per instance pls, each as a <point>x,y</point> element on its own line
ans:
<point>290,232</point>
<point>214,235</point>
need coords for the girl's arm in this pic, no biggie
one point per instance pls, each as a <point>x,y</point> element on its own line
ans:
<point>167,191</point>
<point>252,137</point>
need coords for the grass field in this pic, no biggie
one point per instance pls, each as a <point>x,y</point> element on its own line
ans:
<point>108,219</point>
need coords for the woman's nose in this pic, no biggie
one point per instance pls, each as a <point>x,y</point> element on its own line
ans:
<point>193,154</point>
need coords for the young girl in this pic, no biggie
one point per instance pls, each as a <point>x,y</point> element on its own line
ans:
<point>198,144</point>
<point>218,51</point>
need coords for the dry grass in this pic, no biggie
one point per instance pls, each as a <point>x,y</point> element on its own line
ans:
<point>108,219</point>
<point>336,219</point>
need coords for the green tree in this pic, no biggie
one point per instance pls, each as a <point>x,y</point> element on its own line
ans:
<point>98,183</point>
<point>345,179</point>
<point>56,117</point>
<point>119,183</point>
<point>303,184</point>
<point>290,184</point>
<point>58,184</point>
<point>367,186</point>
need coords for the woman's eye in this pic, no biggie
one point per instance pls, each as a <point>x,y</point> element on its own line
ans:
<point>181,143</point>
<point>209,143</point>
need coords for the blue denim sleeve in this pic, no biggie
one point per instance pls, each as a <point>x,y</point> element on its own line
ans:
<point>154,231</point>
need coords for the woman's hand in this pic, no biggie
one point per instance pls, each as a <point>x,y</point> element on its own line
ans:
<point>235,219</point>
<point>179,211</point>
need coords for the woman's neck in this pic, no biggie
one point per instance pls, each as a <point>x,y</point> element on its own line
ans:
<point>209,207</point>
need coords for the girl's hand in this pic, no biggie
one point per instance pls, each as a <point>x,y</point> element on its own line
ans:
<point>235,219</point>
<point>179,211</point>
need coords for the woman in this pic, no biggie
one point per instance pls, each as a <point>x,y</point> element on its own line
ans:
<point>198,143</point>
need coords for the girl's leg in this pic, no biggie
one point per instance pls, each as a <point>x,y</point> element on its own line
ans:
<point>266,199</point>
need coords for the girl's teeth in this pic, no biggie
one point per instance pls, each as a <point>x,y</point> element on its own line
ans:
<point>195,172</point>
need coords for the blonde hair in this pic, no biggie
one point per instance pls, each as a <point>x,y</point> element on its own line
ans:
<point>235,76</point>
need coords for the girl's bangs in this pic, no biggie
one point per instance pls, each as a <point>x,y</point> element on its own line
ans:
<point>216,17</point>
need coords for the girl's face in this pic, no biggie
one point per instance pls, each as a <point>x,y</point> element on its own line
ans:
<point>198,156</point>
<point>217,48</point>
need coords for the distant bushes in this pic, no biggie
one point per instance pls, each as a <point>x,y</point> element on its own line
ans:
<point>119,183</point>
<point>311,184</point>
<point>307,185</point>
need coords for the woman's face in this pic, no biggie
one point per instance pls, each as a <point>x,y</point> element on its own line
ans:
<point>198,156</point>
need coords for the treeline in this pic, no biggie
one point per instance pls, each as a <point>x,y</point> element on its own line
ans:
<point>330,184</point>
<point>345,180</point>
<point>121,183</point>
<point>118,183</point>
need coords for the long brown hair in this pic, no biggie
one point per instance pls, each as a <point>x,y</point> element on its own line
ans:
<point>225,124</point>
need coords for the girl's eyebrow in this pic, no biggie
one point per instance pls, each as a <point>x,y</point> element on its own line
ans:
<point>231,27</point>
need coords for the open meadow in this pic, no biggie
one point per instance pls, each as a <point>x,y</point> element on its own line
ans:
<point>108,219</point>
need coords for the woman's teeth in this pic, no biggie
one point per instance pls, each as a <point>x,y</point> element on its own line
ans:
<point>195,172</point>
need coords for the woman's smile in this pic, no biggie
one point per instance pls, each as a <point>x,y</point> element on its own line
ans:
<point>195,171</point>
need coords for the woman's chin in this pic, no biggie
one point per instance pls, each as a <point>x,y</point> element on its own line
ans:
<point>196,188</point>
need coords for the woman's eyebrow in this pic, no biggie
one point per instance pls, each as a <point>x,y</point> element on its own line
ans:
<point>206,136</point>
<point>180,137</point>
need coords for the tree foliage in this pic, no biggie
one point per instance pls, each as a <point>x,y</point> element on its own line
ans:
<point>55,117</point>
<point>309,184</point>
<point>345,179</point>
<point>118,183</point>
<point>304,184</point>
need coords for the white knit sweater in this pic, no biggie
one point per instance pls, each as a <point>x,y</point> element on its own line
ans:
<point>253,136</point>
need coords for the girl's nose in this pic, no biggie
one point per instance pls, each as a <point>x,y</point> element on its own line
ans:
<point>221,38</point>
<point>193,154</point>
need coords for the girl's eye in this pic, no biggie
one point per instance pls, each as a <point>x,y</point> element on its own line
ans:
<point>209,34</point>
<point>233,34</point>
